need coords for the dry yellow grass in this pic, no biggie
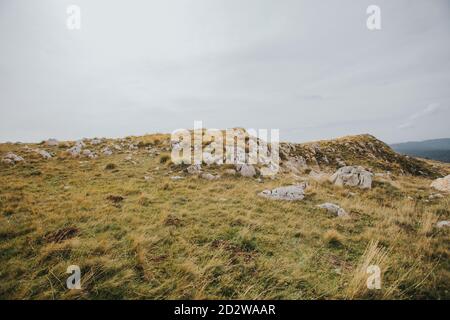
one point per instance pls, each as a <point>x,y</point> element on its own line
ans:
<point>196,239</point>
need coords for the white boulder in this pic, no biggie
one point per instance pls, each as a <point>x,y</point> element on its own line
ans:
<point>246,170</point>
<point>288,193</point>
<point>352,176</point>
<point>442,184</point>
<point>334,209</point>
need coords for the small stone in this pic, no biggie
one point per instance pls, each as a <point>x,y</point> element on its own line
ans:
<point>246,170</point>
<point>194,169</point>
<point>107,151</point>
<point>208,176</point>
<point>288,193</point>
<point>334,209</point>
<point>442,224</point>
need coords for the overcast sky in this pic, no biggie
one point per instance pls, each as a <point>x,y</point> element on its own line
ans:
<point>309,68</point>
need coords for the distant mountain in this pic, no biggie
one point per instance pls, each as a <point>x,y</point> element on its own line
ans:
<point>436,149</point>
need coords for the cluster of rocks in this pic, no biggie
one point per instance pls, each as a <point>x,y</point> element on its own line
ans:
<point>288,193</point>
<point>11,158</point>
<point>43,153</point>
<point>79,148</point>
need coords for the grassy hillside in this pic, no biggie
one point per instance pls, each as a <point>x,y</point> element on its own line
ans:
<point>137,233</point>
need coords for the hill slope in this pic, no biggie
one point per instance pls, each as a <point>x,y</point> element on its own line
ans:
<point>141,227</point>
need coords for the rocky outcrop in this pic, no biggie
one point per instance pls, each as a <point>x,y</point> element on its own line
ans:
<point>11,158</point>
<point>208,176</point>
<point>289,193</point>
<point>107,151</point>
<point>442,184</point>
<point>352,176</point>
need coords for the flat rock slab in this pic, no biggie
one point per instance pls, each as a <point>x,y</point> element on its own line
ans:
<point>289,193</point>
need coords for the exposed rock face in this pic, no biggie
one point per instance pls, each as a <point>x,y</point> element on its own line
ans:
<point>52,143</point>
<point>288,193</point>
<point>11,158</point>
<point>246,170</point>
<point>334,209</point>
<point>295,165</point>
<point>352,176</point>
<point>442,184</point>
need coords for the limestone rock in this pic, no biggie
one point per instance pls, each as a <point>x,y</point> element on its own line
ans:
<point>352,176</point>
<point>75,150</point>
<point>43,153</point>
<point>107,151</point>
<point>246,170</point>
<point>208,176</point>
<point>442,184</point>
<point>334,209</point>
<point>289,193</point>
<point>88,153</point>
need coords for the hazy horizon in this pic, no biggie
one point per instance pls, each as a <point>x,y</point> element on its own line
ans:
<point>312,70</point>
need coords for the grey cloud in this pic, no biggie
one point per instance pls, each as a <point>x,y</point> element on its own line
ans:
<point>308,68</point>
